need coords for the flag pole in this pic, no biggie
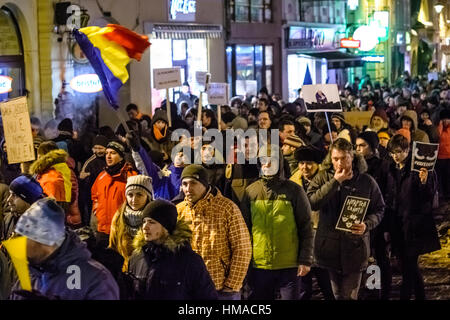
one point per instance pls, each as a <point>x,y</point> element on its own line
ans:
<point>329,128</point>
<point>219,115</point>
<point>169,108</point>
<point>199,111</point>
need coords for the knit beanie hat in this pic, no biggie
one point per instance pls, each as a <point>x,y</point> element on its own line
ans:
<point>294,141</point>
<point>304,121</point>
<point>162,211</point>
<point>43,222</point>
<point>383,134</point>
<point>118,147</point>
<point>380,112</point>
<point>27,188</point>
<point>65,125</point>
<point>140,182</point>
<point>196,172</point>
<point>308,153</point>
<point>100,140</point>
<point>404,132</point>
<point>371,138</point>
<point>339,116</point>
<point>239,123</point>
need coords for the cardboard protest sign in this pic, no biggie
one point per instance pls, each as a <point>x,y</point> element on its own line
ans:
<point>353,211</point>
<point>217,93</point>
<point>433,76</point>
<point>17,130</point>
<point>200,78</point>
<point>321,98</point>
<point>358,118</point>
<point>424,155</point>
<point>165,78</point>
<point>248,87</point>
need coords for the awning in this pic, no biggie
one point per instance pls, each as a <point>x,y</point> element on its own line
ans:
<point>183,30</point>
<point>338,59</point>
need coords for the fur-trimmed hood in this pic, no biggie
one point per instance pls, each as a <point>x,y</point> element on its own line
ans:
<point>47,161</point>
<point>174,242</point>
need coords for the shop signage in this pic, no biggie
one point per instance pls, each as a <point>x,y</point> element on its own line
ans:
<point>350,43</point>
<point>374,59</point>
<point>182,10</point>
<point>312,38</point>
<point>86,83</point>
<point>5,84</point>
<point>368,35</point>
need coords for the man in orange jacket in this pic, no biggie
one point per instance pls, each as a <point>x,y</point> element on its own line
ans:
<point>108,191</point>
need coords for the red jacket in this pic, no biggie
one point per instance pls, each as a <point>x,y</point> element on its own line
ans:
<point>444,142</point>
<point>108,194</point>
<point>73,214</point>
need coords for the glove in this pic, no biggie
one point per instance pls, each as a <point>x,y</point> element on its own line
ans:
<point>33,295</point>
<point>133,141</point>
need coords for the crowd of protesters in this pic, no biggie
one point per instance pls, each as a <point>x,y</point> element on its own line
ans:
<point>141,221</point>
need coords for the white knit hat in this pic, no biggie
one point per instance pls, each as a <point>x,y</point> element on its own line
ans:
<point>141,182</point>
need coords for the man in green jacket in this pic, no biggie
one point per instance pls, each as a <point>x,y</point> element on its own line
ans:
<point>278,215</point>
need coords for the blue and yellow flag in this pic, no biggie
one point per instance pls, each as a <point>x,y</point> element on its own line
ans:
<point>109,51</point>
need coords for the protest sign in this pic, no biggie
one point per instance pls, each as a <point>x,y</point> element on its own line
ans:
<point>200,78</point>
<point>433,76</point>
<point>246,87</point>
<point>424,155</point>
<point>17,130</point>
<point>353,211</point>
<point>321,98</point>
<point>358,118</point>
<point>217,93</point>
<point>166,78</point>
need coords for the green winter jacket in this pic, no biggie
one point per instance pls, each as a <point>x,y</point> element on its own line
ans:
<point>278,215</point>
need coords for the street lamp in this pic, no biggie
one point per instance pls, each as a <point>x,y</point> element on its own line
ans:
<point>438,7</point>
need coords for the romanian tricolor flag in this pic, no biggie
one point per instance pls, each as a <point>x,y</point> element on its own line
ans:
<point>109,51</point>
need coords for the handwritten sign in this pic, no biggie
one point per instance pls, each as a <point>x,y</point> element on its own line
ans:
<point>246,87</point>
<point>358,118</point>
<point>433,76</point>
<point>321,97</point>
<point>165,78</point>
<point>17,129</point>
<point>217,93</point>
<point>200,78</point>
<point>424,155</point>
<point>353,211</point>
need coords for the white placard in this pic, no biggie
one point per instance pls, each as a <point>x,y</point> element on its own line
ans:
<point>200,78</point>
<point>165,78</point>
<point>217,93</point>
<point>321,97</point>
<point>433,76</point>
<point>248,87</point>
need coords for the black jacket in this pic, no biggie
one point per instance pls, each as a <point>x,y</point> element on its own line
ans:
<point>409,210</point>
<point>170,270</point>
<point>335,249</point>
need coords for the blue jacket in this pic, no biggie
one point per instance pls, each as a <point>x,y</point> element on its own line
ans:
<point>166,183</point>
<point>57,277</point>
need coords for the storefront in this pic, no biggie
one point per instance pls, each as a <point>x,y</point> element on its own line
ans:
<point>319,49</point>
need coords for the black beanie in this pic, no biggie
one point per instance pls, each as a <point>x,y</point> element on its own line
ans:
<point>118,147</point>
<point>162,211</point>
<point>65,125</point>
<point>100,140</point>
<point>196,172</point>
<point>371,138</point>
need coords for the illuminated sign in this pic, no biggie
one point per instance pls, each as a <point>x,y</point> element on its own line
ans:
<point>182,10</point>
<point>352,4</point>
<point>368,36</point>
<point>374,59</point>
<point>313,38</point>
<point>350,43</point>
<point>5,84</point>
<point>86,83</point>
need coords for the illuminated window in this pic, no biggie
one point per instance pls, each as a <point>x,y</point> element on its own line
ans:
<point>250,10</point>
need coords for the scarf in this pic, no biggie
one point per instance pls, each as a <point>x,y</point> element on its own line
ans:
<point>115,169</point>
<point>133,220</point>
<point>158,135</point>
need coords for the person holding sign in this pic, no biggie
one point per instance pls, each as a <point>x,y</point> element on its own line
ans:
<point>345,254</point>
<point>60,265</point>
<point>409,198</point>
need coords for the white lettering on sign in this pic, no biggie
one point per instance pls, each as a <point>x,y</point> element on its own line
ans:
<point>182,6</point>
<point>86,83</point>
<point>166,78</point>
<point>5,84</point>
<point>217,93</point>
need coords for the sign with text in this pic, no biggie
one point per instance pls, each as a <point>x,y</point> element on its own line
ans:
<point>217,93</point>
<point>321,97</point>
<point>17,130</point>
<point>200,78</point>
<point>424,155</point>
<point>350,43</point>
<point>246,87</point>
<point>166,78</point>
<point>182,10</point>
<point>358,118</point>
<point>5,84</point>
<point>353,212</point>
<point>86,83</point>
<point>433,76</point>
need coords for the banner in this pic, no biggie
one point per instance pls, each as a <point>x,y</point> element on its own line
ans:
<point>17,130</point>
<point>321,98</point>
<point>217,93</point>
<point>358,118</point>
<point>353,211</point>
<point>424,155</point>
<point>166,78</point>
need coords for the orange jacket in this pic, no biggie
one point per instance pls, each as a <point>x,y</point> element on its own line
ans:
<point>444,144</point>
<point>73,215</point>
<point>108,194</point>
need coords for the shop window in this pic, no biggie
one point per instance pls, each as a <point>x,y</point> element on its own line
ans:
<point>322,11</point>
<point>250,10</point>
<point>250,62</point>
<point>12,69</point>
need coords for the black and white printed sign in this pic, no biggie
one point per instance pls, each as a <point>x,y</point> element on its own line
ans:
<point>424,155</point>
<point>353,211</point>
<point>321,98</point>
